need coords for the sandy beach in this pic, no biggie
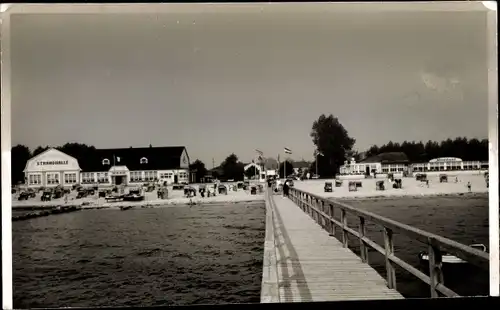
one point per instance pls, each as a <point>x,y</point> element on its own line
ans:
<point>175,197</point>
<point>411,188</point>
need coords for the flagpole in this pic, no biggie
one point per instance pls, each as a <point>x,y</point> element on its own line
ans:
<point>284,168</point>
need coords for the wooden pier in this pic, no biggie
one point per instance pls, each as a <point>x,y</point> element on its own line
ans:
<point>304,262</point>
<point>312,266</point>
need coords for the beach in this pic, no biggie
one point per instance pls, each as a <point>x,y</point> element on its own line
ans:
<point>175,197</point>
<point>410,187</point>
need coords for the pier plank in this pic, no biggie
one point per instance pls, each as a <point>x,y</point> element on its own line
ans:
<point>313,266</point>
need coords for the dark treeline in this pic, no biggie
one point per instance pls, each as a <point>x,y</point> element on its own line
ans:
<point>463,148</point>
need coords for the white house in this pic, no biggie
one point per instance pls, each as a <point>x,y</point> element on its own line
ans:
<point>261,173</point>
<point>127,166</point>
<point>52,168</point>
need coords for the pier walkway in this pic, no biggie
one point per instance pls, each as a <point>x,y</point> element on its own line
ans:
<point>303,261</point>
<point>312,266</point>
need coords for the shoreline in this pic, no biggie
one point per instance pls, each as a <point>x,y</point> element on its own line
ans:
<point>135,205</point>
<point>85,205</point>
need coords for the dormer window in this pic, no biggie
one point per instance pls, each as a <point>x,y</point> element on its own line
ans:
<point>105,161</point>
<point>144,160</point>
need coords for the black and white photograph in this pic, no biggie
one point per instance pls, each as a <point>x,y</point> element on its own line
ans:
<point>236,153</point>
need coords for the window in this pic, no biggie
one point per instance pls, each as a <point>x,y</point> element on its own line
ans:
<point>183,175</point>
<point>144,160</point>
<point>150,175</point>
<point>52,178</point>
<point>105,161</point>
<point>35,179</point>
<point>102,177</point>
<point>135,176</point>
<point>87,177</point>
<point>70,178</point>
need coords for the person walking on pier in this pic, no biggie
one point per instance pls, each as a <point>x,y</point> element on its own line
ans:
<point>285,189</point>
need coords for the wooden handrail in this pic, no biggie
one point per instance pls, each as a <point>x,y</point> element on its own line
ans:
<point>322,210</point>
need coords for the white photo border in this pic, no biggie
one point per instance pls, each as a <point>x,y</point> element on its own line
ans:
<point>8,10</point>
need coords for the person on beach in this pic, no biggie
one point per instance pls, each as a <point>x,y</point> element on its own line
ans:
<point>469,186</point>
<point>427,183</point>
<point>456,179</point>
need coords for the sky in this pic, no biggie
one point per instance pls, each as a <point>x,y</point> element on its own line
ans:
<point>219,83</point>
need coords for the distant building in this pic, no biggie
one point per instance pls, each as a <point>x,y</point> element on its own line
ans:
<point>261,172</point>
<point>449,164</point>
<point>397,162</point>
<point>300,166</point>
<point>109,167</point>
<point>390,162</point>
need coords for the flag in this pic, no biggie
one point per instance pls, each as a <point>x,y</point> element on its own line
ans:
<point>118,159</point>
<point>288,151</point>
<point>259,152</point>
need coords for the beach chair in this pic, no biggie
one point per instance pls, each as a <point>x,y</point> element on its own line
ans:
<point>352,186</point>
<point>443,178</point>
<point>338,183</point>
<point>380,186</point>
<point>397,183</point>
<point>328,187</point>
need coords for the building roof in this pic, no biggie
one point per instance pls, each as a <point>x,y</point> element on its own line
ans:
<point>158,158</point>
<point>387,158</point>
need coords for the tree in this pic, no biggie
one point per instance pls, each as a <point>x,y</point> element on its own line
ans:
<point>82,152</point>
<point>40,149</point>
<point>20,154</point>
<point>232,168</point>
<point>289,169</point>
<point>251,172</point>
<point>199,168</point>
<point>333,141</point>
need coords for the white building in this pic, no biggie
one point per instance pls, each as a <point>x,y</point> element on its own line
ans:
<point>52,168</point>
<point>128,166</point>
<point>449,164</point>
<point>395,163</point>
<point>261,173</point>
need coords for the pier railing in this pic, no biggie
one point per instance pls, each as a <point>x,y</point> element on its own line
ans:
<point>322,210</point>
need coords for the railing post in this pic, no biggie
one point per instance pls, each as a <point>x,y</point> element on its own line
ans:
<point>309,203</point>
<point>332,226</point>
<point>316,217</point>
<point>323,220</point>
<point>435,264</point>
<point>362,246</point>
<point>343,220</point>
<point>389,250</point>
